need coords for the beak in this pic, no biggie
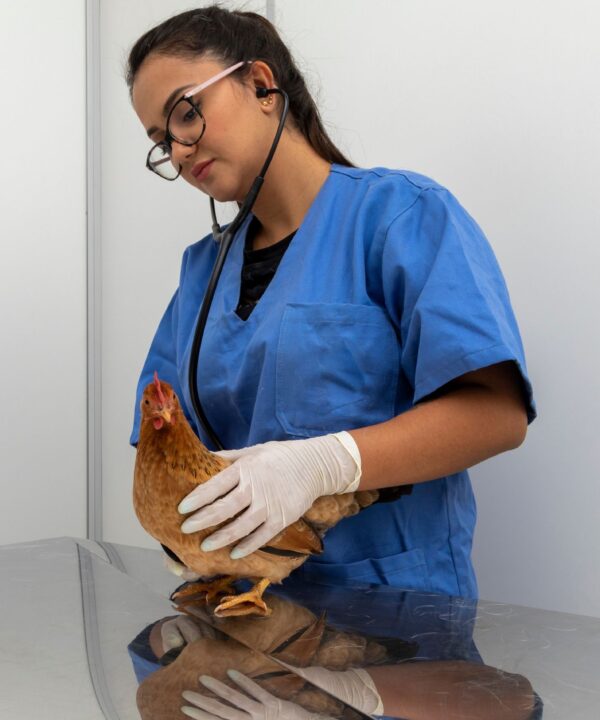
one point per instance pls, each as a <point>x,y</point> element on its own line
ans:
<point>166,415</point>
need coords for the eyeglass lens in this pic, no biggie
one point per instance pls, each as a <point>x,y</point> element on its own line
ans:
<point>186,124</point>
<point>160,162</point>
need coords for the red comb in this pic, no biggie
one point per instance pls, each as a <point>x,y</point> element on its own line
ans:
<point>159,391</point>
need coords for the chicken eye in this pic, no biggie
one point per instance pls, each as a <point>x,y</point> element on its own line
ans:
<point>147,402</point>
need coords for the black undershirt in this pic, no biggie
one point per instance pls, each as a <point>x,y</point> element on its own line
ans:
<point>258,270</point>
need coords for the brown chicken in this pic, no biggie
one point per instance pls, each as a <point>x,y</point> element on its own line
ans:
<point>171,461</point>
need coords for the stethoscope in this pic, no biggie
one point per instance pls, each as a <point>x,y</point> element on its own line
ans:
<point>224,239</point>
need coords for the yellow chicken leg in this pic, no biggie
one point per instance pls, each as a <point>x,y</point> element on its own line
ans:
<point>249,603</point>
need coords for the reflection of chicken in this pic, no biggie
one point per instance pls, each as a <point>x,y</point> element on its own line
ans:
<point>159,695</point>
<point>291,634</point>
<point>171,461</point>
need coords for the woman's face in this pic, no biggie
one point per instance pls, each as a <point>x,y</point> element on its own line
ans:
<point>239,128</point>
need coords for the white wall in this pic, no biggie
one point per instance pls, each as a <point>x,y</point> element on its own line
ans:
<point>43,270</point>
<point>498,101</point>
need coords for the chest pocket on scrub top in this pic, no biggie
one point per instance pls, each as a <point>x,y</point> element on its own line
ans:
<point>337,368</point>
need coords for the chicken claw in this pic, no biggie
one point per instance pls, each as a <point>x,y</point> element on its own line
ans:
<point>248,603</point>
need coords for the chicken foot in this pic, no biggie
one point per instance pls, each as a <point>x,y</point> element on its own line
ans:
<point>248,603</point>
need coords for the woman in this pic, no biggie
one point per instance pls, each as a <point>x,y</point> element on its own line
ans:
<point>361,334</point>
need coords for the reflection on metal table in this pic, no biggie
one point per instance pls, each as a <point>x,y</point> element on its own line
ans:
<point>88,630</point>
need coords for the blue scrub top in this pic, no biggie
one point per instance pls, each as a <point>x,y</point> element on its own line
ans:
<point>388,290</point>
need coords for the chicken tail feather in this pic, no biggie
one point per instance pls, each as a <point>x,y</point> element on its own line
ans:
<point>299,538</point>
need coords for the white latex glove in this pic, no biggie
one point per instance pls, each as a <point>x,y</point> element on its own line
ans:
<point>258,704</point>
<point>178,631</point>
<point>272,485</point>
<point>354,687</point>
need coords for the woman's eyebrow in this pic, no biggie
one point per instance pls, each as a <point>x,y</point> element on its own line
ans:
<point>167,106</point>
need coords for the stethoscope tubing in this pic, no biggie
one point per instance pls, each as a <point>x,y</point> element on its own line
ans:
<point>224,239</point>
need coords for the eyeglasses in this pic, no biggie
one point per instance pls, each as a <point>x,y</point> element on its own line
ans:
<point>185,125</point>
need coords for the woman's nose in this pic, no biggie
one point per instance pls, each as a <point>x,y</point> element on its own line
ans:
<point>180,152</point>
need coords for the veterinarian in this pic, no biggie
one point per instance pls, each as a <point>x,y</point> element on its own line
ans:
<point>360,336</point>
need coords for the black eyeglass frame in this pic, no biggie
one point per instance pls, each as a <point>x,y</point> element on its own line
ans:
<point>167,143</point>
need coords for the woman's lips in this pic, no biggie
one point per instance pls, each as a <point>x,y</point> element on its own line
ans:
<point>201,170</point>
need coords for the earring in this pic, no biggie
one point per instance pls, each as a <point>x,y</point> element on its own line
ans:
<point>267,102</point>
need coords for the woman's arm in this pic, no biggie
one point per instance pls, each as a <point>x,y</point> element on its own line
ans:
<point>474,417</point>
<point>273,484</point>
<point>452,690</point>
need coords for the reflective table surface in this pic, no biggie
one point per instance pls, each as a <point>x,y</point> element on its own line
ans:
<point>88,631</point>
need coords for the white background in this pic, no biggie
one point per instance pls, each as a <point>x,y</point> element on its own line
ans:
<point>42,270</point>
<point>498,101</point>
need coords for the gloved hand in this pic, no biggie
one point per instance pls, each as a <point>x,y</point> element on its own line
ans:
<point>173,633</point>
<point>272,485</point>
<point>258,704</point>
<point>178,631</point>
<point>354,687</point>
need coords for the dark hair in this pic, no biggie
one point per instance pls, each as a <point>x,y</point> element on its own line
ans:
<point>231,36</point>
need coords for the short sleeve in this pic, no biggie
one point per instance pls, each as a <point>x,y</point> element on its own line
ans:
<point>162,358</point>
<point>446,294</point>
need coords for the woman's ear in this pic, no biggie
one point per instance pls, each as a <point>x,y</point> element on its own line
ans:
<point>262,77</point>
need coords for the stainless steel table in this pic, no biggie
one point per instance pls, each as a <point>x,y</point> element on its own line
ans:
<point>80,630</point>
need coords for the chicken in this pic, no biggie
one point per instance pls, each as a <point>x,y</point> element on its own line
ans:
<point>171,461</point>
